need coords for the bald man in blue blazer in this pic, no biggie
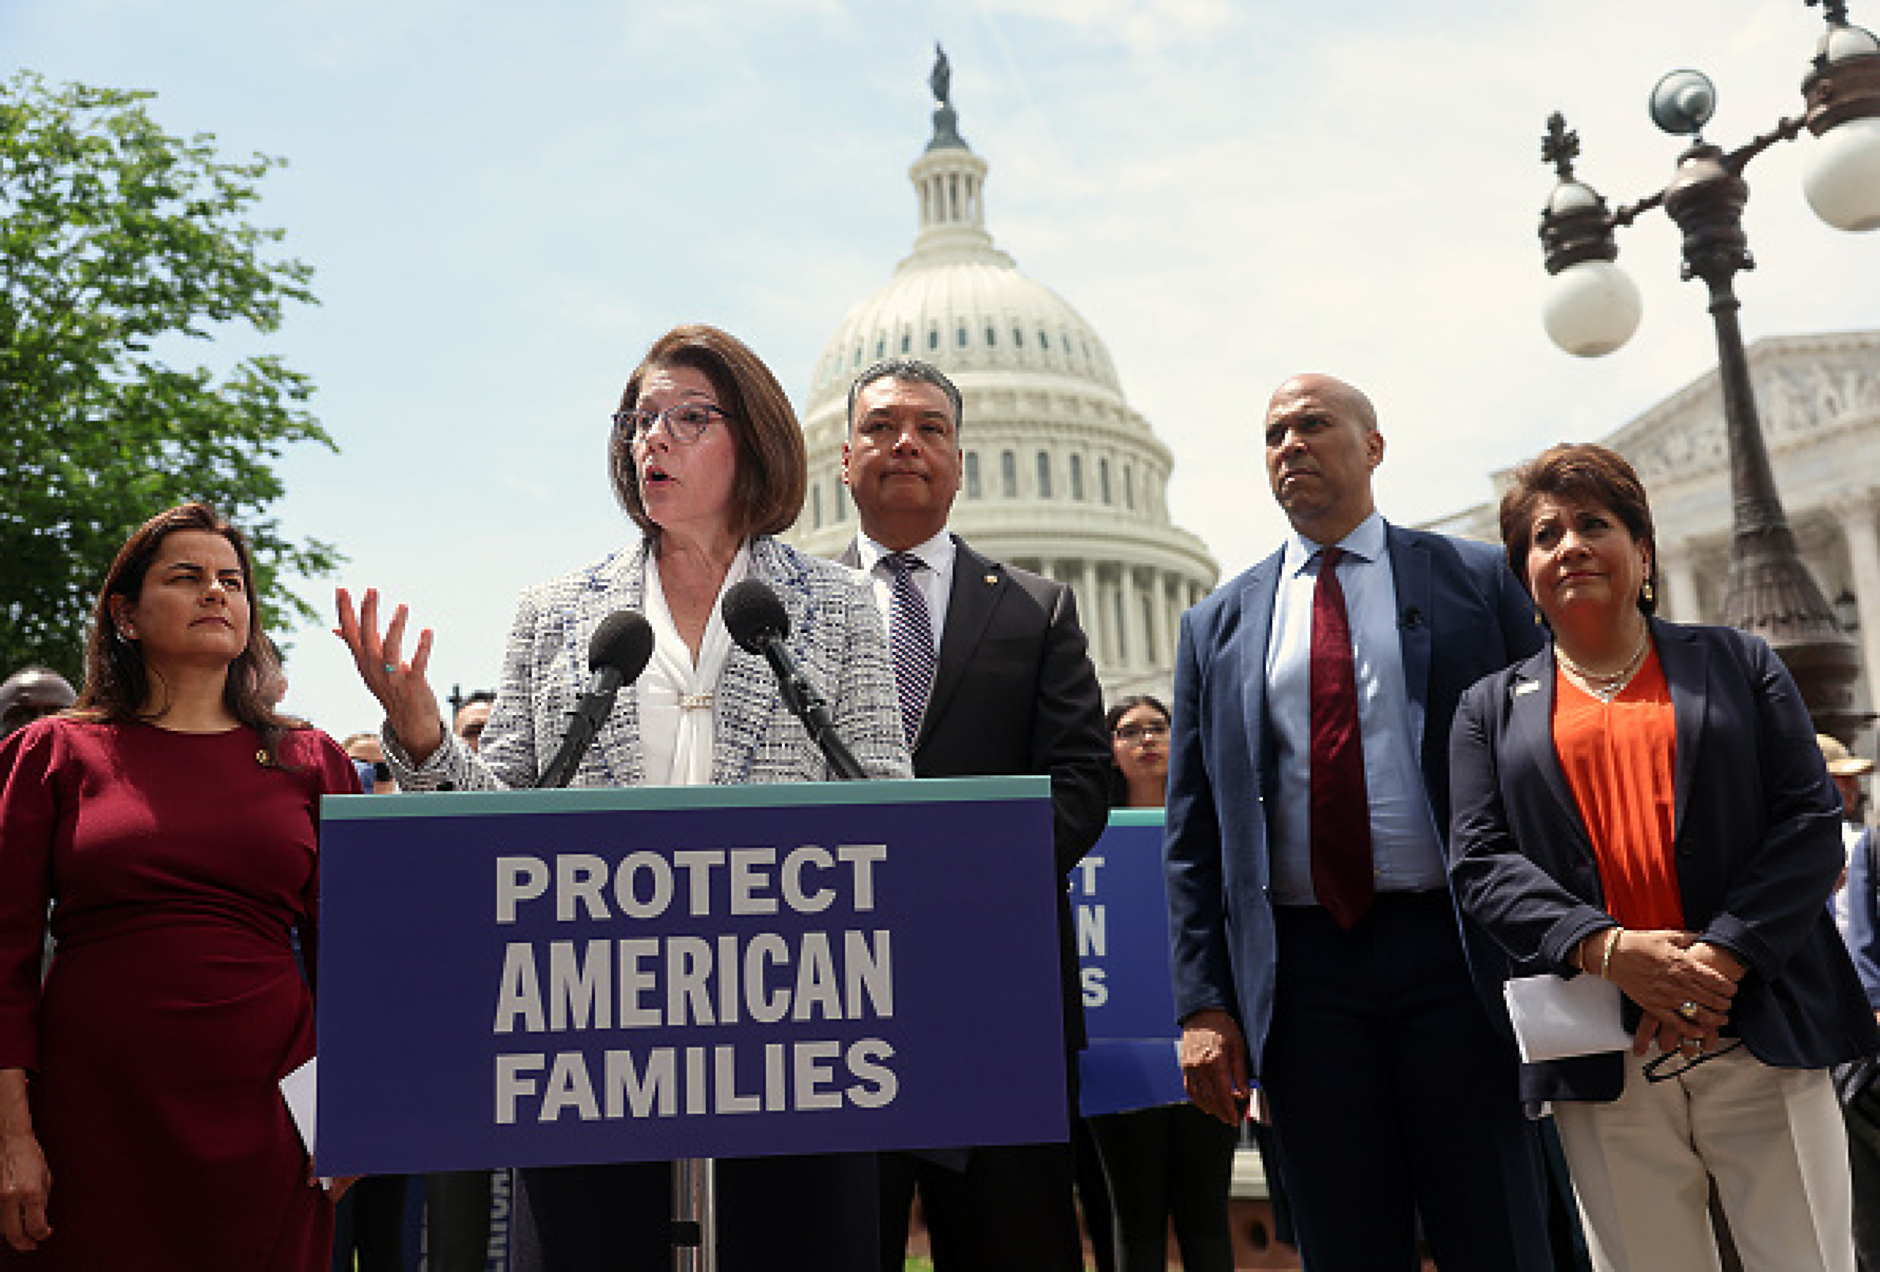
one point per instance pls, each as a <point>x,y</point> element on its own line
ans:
<point>1379,1040</point>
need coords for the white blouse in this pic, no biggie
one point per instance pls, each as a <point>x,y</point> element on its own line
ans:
<point>677,732</point>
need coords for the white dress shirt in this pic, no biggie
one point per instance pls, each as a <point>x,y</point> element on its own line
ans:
<point>935,582</point>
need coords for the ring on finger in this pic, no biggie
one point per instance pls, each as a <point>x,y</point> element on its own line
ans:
<point>1686,1009</point>
<point>392,667</point>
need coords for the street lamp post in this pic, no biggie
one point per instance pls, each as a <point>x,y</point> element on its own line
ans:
<point>1593,308</point>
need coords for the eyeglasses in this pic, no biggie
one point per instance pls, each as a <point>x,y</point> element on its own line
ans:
<point>1657,1068</point>
<point>684,421</point>
<point>1141,732</point>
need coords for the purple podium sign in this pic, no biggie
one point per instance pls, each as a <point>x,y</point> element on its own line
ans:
<point>557,977</point>
<point>1121,908</point>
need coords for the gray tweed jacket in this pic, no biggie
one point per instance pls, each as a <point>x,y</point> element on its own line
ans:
<point>836,637</point>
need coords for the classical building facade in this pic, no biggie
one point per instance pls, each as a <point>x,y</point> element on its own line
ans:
<point>1819,398</point>
<point>1062,476</point>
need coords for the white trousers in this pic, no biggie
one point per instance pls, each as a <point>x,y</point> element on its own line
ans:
<point>1772,1138</point>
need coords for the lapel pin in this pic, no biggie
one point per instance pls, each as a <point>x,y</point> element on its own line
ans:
<point>992,578</point>
<point>1527,686</point>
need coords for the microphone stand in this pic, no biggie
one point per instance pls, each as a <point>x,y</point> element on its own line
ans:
<point>695,1179</point>
<point>807,705</point>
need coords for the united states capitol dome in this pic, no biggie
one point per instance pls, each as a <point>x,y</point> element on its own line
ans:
<point>1060,474</point>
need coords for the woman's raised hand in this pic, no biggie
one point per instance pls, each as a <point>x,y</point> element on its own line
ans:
<point>399,685</point>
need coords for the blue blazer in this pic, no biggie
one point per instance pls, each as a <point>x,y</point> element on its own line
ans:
<point>1756,836</point>
<point>1462,616</point>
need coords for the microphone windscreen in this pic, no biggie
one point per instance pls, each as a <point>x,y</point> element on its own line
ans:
<point>754,615</point>
<point>624,642</point>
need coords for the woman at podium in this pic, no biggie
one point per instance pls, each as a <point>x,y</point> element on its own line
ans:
<point>707,458</point>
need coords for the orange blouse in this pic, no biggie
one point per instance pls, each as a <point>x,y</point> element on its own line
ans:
<point>1620,759</point>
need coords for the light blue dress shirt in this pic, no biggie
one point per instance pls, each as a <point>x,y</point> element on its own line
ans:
<point>1406,849</point>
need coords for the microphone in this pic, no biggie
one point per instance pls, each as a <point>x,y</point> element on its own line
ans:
<point>617,654</point>
<point>1410,619</point>
<point>755,617</point>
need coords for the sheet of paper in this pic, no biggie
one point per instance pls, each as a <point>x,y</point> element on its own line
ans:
<point>1555,1017</point>
<point>297,1088</point>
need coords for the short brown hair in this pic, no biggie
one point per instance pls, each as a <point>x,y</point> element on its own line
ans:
<point>1583,473</point>
<point>116,680</point>
<point>773,464</point>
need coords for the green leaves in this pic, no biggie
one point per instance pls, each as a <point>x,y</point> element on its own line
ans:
<point>116,239</point>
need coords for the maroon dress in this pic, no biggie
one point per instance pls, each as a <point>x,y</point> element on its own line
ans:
<point>181,866</point>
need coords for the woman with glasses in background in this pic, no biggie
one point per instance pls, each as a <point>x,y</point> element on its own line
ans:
<point>1644,802</point>
<point>708,460</point>
<point>1171,1162</point>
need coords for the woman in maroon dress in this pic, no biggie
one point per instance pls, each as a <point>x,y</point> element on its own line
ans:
<point>169,819</point>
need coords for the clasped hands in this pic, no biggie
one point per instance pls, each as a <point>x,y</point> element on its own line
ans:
<point>1685,985</point>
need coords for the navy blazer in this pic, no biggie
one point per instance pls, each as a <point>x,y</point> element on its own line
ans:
<point>1756,838</point>
<point>1461,614</point>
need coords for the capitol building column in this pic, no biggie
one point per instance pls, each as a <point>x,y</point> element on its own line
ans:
<point>1678,575</point>
<point>1089,602</point>
<point>1859,515</point>
<point>1164,617</point>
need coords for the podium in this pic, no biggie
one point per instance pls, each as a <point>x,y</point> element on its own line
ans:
<point>533,978</point>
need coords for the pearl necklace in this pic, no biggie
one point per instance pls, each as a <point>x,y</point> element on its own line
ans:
<point>1606,685</point>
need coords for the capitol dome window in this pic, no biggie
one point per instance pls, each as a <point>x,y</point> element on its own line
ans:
<point>1103,480</point>
<point>1044,341</point>
<point>1044,474</point>
<point>962,335</point>
<point>1077,473</point>
<point>972,474</point>
<point>907,342</point>
<point>815,503</point>
<point>992,337</point>
<point>933,339</point>
<point>1129,483</point>
<point>1018,338</point>
<point>881,348</point>
<point>1008,474</point>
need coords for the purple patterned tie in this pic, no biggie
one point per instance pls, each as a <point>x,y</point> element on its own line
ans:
<point>910,639</point>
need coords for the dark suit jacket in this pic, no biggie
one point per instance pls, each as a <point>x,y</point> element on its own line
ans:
<point>1756,837</point>
<point>1462,615</point>
<point>1015,692</point>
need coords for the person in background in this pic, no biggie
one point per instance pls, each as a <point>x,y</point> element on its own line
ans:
<point>473,717</point>
<point>1173,1163</point>
<point>1857,914</point>
<point>994,678</point>
<point>32,692</point>
<point>1314,940</point>
<point>707,457</point>
<point>1644,802</point>
<point>457,1202</point>
<point>170,818</point>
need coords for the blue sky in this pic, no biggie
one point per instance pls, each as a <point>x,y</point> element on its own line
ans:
<point>506,204</point>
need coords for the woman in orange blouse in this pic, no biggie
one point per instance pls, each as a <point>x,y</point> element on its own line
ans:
<point>1643,801</point>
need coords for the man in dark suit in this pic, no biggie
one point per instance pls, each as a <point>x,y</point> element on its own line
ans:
<point>995,680</point>
<point>1315,944</point>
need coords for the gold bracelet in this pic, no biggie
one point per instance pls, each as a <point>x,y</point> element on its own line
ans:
<point>1605,959</point>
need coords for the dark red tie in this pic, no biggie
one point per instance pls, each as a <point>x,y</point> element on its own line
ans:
<point>1341,812</point>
